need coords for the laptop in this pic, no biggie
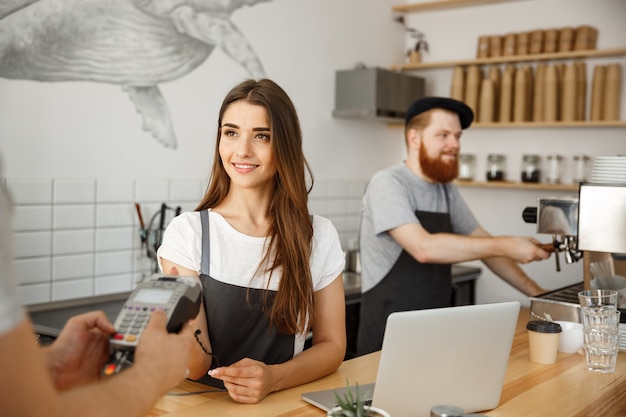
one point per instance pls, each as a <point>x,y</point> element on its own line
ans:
<point>454,356</point>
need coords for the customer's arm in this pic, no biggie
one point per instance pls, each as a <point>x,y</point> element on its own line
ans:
<point>249,381</point>
<point>452,248</point>
<point>27,388</point>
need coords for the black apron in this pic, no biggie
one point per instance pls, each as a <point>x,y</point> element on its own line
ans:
<point>238,327</point>
<point>409,285</point>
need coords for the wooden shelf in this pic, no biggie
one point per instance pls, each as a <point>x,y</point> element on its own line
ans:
<point>441,4</point>
<point>517,185</point>
<point>594,53</point>
<point>560,125</point>
<point>540,125</point>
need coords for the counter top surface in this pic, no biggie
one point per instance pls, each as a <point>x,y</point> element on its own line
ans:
<point>352,280</point>
<point>563,389</point>
<point>49,318</point>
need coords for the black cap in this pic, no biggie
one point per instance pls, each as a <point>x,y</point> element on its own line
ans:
<point>466,115</point>
<point>542,326</point>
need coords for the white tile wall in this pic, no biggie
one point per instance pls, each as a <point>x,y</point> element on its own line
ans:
<point>35,294</point>
<point>80,237</point>
<point>34,270</point>
<point>115,191</point>
<point>72,266</point>
<point>30,191</point>
<point>67,290</point>
<point>115,215</point>
<point>74,191</point>
<point>66,242</point>
<point>115,239</point>
<point>113,284</point>
<point>32,218</point>
<point>108,263</point>
<point>151,190</point>
<point>73,216</point>
<point>187,190</point>
<point>30,244</point>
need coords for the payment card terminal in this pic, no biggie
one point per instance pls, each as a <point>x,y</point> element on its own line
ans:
<point>179,297</point>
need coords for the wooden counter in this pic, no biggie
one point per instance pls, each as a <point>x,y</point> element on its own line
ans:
<point>564,389</point>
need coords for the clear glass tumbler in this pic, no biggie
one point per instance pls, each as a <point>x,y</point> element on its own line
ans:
<point>601,338</point>
<point>598,298</point>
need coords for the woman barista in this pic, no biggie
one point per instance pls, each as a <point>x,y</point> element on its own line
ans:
<point>270,271</point>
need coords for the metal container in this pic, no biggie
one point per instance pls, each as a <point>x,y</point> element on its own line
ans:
<point>375,93</point>
<point>354,261</point>
<point>558,216</point>
<point>558,305</point>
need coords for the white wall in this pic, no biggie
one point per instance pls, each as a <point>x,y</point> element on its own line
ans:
<point>79,129</point>
<point>63,132</point>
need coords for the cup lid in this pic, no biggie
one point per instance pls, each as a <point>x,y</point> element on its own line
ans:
<point>543,326</point>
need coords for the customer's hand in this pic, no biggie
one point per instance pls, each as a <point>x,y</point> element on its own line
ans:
<point>247,381</point>
<point>164,355</point>
<point>80,351</point>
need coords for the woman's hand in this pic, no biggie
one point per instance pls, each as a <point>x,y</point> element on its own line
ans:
<point>247,381</point>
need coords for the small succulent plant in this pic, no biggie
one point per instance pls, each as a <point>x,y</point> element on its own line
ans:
<point>350,404</point>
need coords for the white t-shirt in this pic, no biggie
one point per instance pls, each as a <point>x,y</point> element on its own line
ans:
<point>235,256</point>
<point>11,311</point>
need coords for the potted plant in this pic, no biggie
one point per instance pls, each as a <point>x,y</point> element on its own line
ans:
<point>353,405</point>
<point>414,54</point>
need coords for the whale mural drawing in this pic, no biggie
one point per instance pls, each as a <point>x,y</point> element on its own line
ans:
<point>136,44</point>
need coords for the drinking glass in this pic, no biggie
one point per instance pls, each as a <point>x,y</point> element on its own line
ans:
<point>601,338</point>
<point>598,298</point>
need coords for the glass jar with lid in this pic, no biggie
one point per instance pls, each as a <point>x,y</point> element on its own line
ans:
<point>554,168</point>
<point>496,167</point>
<point>531,168</point>
<point>581,168</point>
<point>466,167</point>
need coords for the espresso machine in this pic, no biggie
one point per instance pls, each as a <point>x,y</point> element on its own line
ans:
<point>590,227</point>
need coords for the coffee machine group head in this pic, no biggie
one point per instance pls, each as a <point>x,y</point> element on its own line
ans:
<point>557,217</point>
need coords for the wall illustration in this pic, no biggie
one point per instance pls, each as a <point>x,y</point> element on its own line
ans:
<point>136,44</point>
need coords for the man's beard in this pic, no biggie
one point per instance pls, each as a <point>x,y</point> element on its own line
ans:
<point>437,169</point>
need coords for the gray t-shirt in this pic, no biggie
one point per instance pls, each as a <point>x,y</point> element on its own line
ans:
<point>391,199</point>
<point>11,312</point>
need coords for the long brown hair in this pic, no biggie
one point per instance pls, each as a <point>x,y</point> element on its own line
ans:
<point>291,230</point>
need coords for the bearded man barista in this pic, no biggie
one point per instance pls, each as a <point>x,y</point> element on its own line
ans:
<point>415,224</point>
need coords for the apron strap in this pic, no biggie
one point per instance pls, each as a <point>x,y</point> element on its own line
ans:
<point>206,252</point>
